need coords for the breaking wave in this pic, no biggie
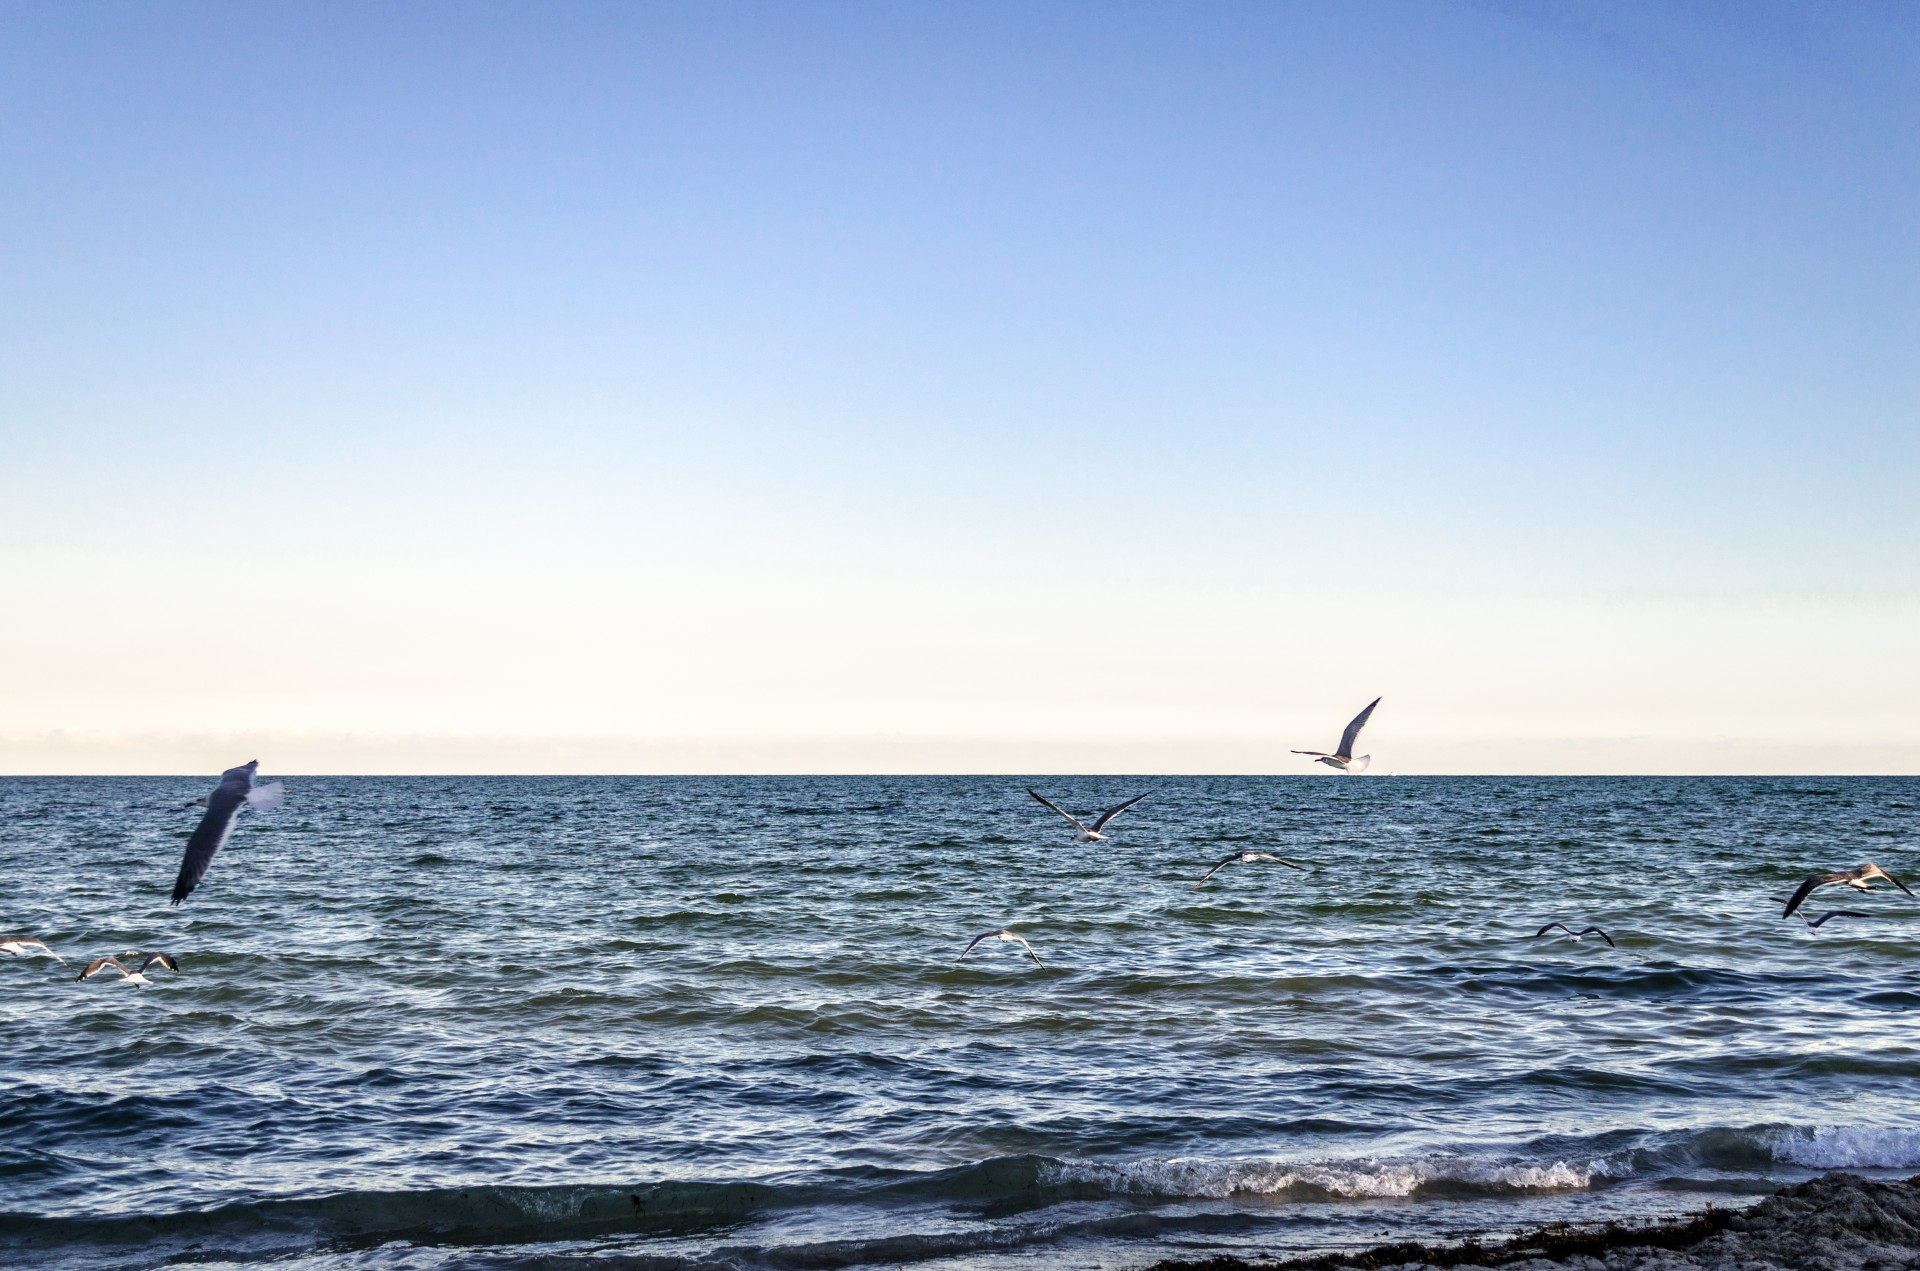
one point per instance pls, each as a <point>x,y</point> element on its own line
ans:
<point>1848,1147</point>
<point>897,1201</point>
<point>1355,1179</point>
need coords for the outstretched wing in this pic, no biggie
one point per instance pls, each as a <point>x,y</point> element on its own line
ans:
<point>100,964</point>
<point>1595,931</point>
<point>1890,878</point>
<point>1057,808</point>
<point>1805,889</point>
<point>1814,923</point>
<point>976,940</point>
<point>1030,952</point>
<point>1317,754</point>
<point>1114,811</point>
<point>1224,862</point>
<point>164,959</point>
<point>211,834</point>
<point>1353,731</point>
<point>1550,926</point>
<point>267,797</point>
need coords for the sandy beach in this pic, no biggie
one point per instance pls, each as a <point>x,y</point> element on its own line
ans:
<point>1837,1223</point>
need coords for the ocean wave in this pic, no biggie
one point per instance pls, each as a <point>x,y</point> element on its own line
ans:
<point>1042,1186</point>
<point>1363,1178</point>
<point>1848,1147</point>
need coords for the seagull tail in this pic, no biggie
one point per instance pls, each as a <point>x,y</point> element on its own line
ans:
<point>1359,764</point>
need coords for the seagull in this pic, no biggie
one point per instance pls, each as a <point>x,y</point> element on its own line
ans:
<point>1813,924</point>
<point>1085,834</point>
<point>1005,937</point>
<point>1343,758</point>
<point>19,946</point>
<point>235,791</point>
<point>1575,935</point>
<point>99,965</point>
<point>1244,858</point>
<point>1854,878</point>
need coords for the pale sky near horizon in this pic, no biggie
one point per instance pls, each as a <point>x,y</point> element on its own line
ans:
<point>968,387</point>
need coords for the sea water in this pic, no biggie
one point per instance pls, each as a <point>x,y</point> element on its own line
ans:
<point>720,1022</point>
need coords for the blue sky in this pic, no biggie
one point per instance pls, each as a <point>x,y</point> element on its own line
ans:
<point>1328,349</point>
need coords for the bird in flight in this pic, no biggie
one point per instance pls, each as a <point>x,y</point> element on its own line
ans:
<point>99,965</point>
<point>1343,758</point>
<point>1575,935</point>
<point>1005,937</point>
<point>235,791</point>
<point>1242,858</point>
<point>1813,924</point>
<point>1854,878</point>
<point>1084,833</point>
<point>21,946</point>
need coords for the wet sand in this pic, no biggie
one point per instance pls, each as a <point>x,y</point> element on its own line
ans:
<point>1837,1223</point>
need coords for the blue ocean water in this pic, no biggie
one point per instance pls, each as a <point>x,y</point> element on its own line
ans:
<point>690,1022</point>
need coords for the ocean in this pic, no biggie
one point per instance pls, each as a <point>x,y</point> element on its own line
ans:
<point>601,1023</point>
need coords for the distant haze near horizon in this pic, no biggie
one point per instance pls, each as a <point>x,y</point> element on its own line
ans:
<point>993,388</point>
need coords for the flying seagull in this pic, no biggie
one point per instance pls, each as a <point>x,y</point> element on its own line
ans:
<point>1575,935</point>
<point>1005,937</point>
<point>1343,758</point>
<point>1244,858</point>
<point>99,965</point>
<point>1083,834</point>
<point>1813,924</point>
<point>1854,878</point>
<point>20,947</point>
<point>235,791</point>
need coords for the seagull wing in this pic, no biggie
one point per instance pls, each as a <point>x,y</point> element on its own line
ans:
<point>211,834</point>
<point>1814,923</point>
<point>976,940</point>
<point>1030,952</point>
<point>1057,808</point>
<point>1353,731</point>
<point>1114,811</point>
<point>1225,861</point>
<point>1550,926</point>
<point>1595,931</point>
<point>1874,871</point>
<point>1317,754</point>
<point>40,945</point>
<point>1805,889</point>
<point>98,965</point>
<point>164,959</point>
<point>1268,856</point>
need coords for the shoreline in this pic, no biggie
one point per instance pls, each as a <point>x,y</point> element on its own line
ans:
<point>1838,1222</point>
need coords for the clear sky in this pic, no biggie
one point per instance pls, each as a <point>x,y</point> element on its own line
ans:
<point>990,387</point>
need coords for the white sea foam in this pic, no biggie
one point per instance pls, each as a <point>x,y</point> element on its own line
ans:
<point>1358,1178</point>
<point>1848,1147</point>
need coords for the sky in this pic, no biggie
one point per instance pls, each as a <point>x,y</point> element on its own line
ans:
<point>904,387</point>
